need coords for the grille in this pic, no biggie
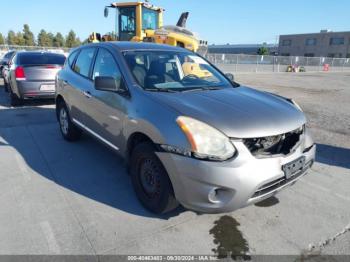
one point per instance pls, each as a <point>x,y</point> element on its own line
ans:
<point>271,186</point>
<point>274,145</point>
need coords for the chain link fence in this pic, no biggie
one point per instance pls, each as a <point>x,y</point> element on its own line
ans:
<point>6,48</point>
<point>241,62</point>
<point>257,63</point>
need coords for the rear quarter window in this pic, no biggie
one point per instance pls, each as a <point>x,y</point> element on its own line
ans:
<point>71,58</point>
<point>41,59</point>
<point>84,61</point>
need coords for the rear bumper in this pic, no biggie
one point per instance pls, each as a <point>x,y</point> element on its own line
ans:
<point>32,89</point>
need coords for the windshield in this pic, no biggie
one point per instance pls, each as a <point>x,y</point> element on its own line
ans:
<point>174,71</point>
<point>149,19</point>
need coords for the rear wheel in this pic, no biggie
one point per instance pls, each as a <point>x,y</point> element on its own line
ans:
<point>150,180</point>
<point>14,99</point>
<point>6,86</point>
<point>68,130</point>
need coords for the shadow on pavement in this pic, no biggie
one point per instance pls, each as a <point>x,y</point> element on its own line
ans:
<point>332,155</point>
<point>268,202</point>
<point>85,167</point>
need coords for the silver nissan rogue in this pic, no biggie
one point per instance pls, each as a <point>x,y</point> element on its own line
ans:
<point>188,132</point>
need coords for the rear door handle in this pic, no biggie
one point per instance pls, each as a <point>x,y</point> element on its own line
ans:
<point>87,94</point>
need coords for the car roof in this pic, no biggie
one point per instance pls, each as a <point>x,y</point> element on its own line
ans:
<point>130,46</point>
<point>38,52</point>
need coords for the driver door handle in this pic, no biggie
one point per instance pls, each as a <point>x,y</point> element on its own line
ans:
<point>87,94</point>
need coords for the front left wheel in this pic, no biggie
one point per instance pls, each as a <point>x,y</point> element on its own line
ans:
<point>151,181</point>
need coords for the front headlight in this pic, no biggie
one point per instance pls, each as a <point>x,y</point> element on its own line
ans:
<point>206,141</point>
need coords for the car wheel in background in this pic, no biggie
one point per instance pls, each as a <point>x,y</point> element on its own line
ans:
<point>151,181</point>
<point>68,130</point>
<point>6,86</point>
<point>14,99</point>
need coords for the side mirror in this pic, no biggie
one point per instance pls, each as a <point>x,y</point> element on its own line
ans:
<point>230,77</point>
<point>107,83</point>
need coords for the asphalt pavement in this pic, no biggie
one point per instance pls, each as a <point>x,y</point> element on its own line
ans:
<point>77,199</point>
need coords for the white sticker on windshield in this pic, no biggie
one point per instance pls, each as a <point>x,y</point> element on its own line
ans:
<point>198,60</point>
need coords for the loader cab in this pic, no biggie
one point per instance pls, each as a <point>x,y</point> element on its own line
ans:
<point>135,21</point>
<point>127,23</point>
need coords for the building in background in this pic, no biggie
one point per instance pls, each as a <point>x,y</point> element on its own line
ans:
<point>323,44</point>
<point>240,49</point>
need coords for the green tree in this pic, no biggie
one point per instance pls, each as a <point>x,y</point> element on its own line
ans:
<point>20,39</point>
<point>2,39</point>
<point>263,50</point>
<point>86,41</point>
<point>58,40</point>
<point>28,36</point>
<point>50,37</point>
<point>11,38</point>
<point>72,40</point>
<point>44,38</point>
<point>77,41</point>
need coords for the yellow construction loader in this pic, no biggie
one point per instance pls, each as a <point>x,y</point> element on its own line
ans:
<point>143,22</point>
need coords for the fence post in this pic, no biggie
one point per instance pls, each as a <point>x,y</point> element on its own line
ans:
<point>236,63</point>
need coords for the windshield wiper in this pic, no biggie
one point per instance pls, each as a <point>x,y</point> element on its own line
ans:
<point>167,90</point>
<point>202,89</point>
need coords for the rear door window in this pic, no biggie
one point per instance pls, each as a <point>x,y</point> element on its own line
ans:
<point>41,59</point>
<point>83,64</point>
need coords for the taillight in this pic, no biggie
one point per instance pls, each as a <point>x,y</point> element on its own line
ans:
<point>19,73</point>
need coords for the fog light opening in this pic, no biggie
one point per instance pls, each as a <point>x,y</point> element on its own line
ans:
<point>213,195</point>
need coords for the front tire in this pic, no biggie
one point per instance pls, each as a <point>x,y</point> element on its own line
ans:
<point>151,181</point>
<point>68,130</point>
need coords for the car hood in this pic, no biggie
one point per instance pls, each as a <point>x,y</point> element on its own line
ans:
<point>237,112</point>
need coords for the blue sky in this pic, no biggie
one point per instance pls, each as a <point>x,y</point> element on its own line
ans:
<point>219,22</point>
